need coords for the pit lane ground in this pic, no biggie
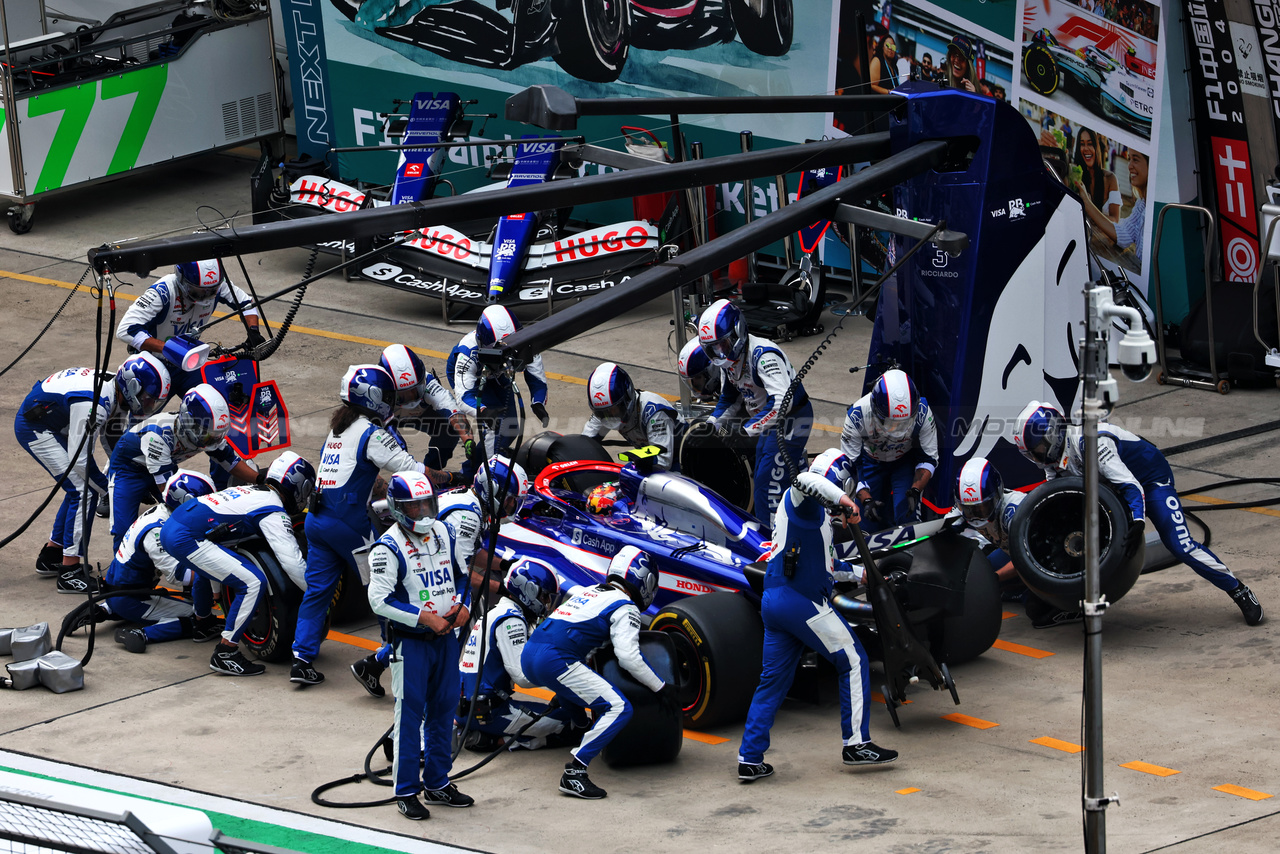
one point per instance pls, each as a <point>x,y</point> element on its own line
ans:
<point>1189,688</point>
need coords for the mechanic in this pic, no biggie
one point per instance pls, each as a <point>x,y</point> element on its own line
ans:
<point>755,376</point>
<point>199,535</point>
<point>1141,475</point>
<point>468,515</point>
<point>529,592</point>
<point>890,435</point>
<point>181,303</point>
<point>591,618</point>
<point>424,403</point>
<point>358,446</point>
<point>695,368</point>
<point>797,615</point>
<point>642,417</point>
<point>495,407</point>
<point>140,561</point>
<point>51,426</point>
<point>417,587</point>
<point>150,452</point>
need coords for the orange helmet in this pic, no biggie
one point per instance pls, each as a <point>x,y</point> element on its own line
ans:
<point>600,500</point>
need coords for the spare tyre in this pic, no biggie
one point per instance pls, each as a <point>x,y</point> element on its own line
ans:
<point>268,633</point>
<point>1046,542</point>
<point>655,732</point>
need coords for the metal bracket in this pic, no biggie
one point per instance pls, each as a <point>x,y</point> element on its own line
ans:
<point>1096,609</point>
<point>952,242</point>
<point>609,157</point>
<point>1101,804</point>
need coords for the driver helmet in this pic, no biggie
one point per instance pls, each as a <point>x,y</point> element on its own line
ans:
<point>638,573</point>
<point>203,418</point>
<point>834,465</point>
<point>495,324</point>
<point>611,395</point>
<point>894,403</point>
<point>979,492</point>
<point>143,384</point>
<point>407,372</point>
<point>696,369</point>
<point>185,486</point>
<point>199,280</point>
<point>722,332</point>
<point>600,501</point>
<point>500,475</point>
<point>293,479</point>
<point>533,584</point>
<point>1040,433</point>
<point>369,390</point>
<point>411,501</point>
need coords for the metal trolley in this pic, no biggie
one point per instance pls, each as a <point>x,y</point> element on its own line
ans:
<point>83,100</point>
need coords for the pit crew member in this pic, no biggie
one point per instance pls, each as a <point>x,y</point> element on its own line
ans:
<point>426,404</point>
<point>642,417</point>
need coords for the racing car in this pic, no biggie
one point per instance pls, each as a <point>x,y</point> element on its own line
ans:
<point>1124,92</point>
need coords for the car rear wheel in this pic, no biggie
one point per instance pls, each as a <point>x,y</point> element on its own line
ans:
<point>765,26</point>
<point>594,37</point>
<point>967,635</point>
<point>1040,69</point>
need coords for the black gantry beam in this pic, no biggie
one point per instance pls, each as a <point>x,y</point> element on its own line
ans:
<point>142,256</point>
<point>521,346</point>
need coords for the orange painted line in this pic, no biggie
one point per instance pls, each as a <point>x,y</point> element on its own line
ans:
<point>1029,651</point>
<point>1057,744</point>
<point>1241,792</point>
<point>976,723</point>
<point>540,693</point>
<point>1148,768</point>
<point>353,640</point>
<point>879,698</point>
<point>907,791</point>
<point>704,738</point>
<point>1004,615</point>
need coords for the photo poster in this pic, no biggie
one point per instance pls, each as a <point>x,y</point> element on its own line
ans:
<point>1089,83</point>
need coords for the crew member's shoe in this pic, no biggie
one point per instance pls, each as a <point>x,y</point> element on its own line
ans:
<point>367,672</point>
<point>205,629</point>
<point>574,781</point>
<point>1249,605</point>
<point>412,808</point>
<point>103,510</point>
<point>134,640</point>
<point>1056,618</point>
<point>449,796</point>
<point>74,579</point>
<point>303,673</point>
<point>749,772</point>
<point>231,661</point>
<point>867,754</point>
<point>49,562</point>
<point>94,614</point>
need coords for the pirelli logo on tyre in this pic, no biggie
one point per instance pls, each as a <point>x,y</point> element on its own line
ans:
<point>688,627</point>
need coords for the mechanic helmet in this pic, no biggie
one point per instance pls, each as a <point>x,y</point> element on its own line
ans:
<point>533,584</point>
<point>199,280</point>
<point>611,395</point>
<point>1041,433</point>
<point>370,390</point>
<point>894,402</point>
<point>835,466</point>
<point>203,418</point>
<point>293,479</point>
<point>979,491</point>
<point>185,486</point>
<point>495,324</point>
<point>500,475</point>
<point>638,573</point>
<point>411,500</point>
<point>696,369</point>
<point>722,332</point>
<point>407,372</point>
<point>601,499</point>
<point>143,384</point>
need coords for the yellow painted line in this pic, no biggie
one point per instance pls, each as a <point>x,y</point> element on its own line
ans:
<point>353,640</point>
<point>1148,768</point>
<point>1004,615</point>
<point>879,698</point>
<point>908,791</point>
<point>41,280</point>
<point>704,738</point>
<point>1205,499</point>
<point>976,723</point>
<point>1029,651</point>
<point>1057,744</point>
<point>1241,792</point>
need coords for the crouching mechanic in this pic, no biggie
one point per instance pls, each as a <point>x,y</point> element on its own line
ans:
<point>487,686</point>
<point>416,586</point>
<point>1141,475</point>
<point>642,417</point>
<point>591,618</point>
<point>200,532</point>
<point>140,559</point>
<point>755,376</point>
<point>797,614</point>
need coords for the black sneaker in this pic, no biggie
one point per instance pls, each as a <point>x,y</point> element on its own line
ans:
<point>1248,603</point>
<point>412,808</point>
<point>94,614</point>
<point>449,796</point>
<point>233,663</point>
<point>483,742</point>
<point>367,672</point>
<point>1056,618</point>
<point>49,562</point>
<point>749,772</point>
<point>205,629</point>
<point>867,754</point>
<point>134,640</point>
<point>574,781</point>
<point>75,580</point>
<point>302,673</point>
<point>103,510</point>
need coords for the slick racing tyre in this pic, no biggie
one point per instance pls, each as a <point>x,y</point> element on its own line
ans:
<point>1047,543</point>
<point>967,635</point>
<point>594,37</point>
<point>765,26</point>
<point>719,644</point>
<point>706,457</point>
<point>1040,69</point>
<point>551,447</point>
<point>269,631</point>
<point>655,732</point>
